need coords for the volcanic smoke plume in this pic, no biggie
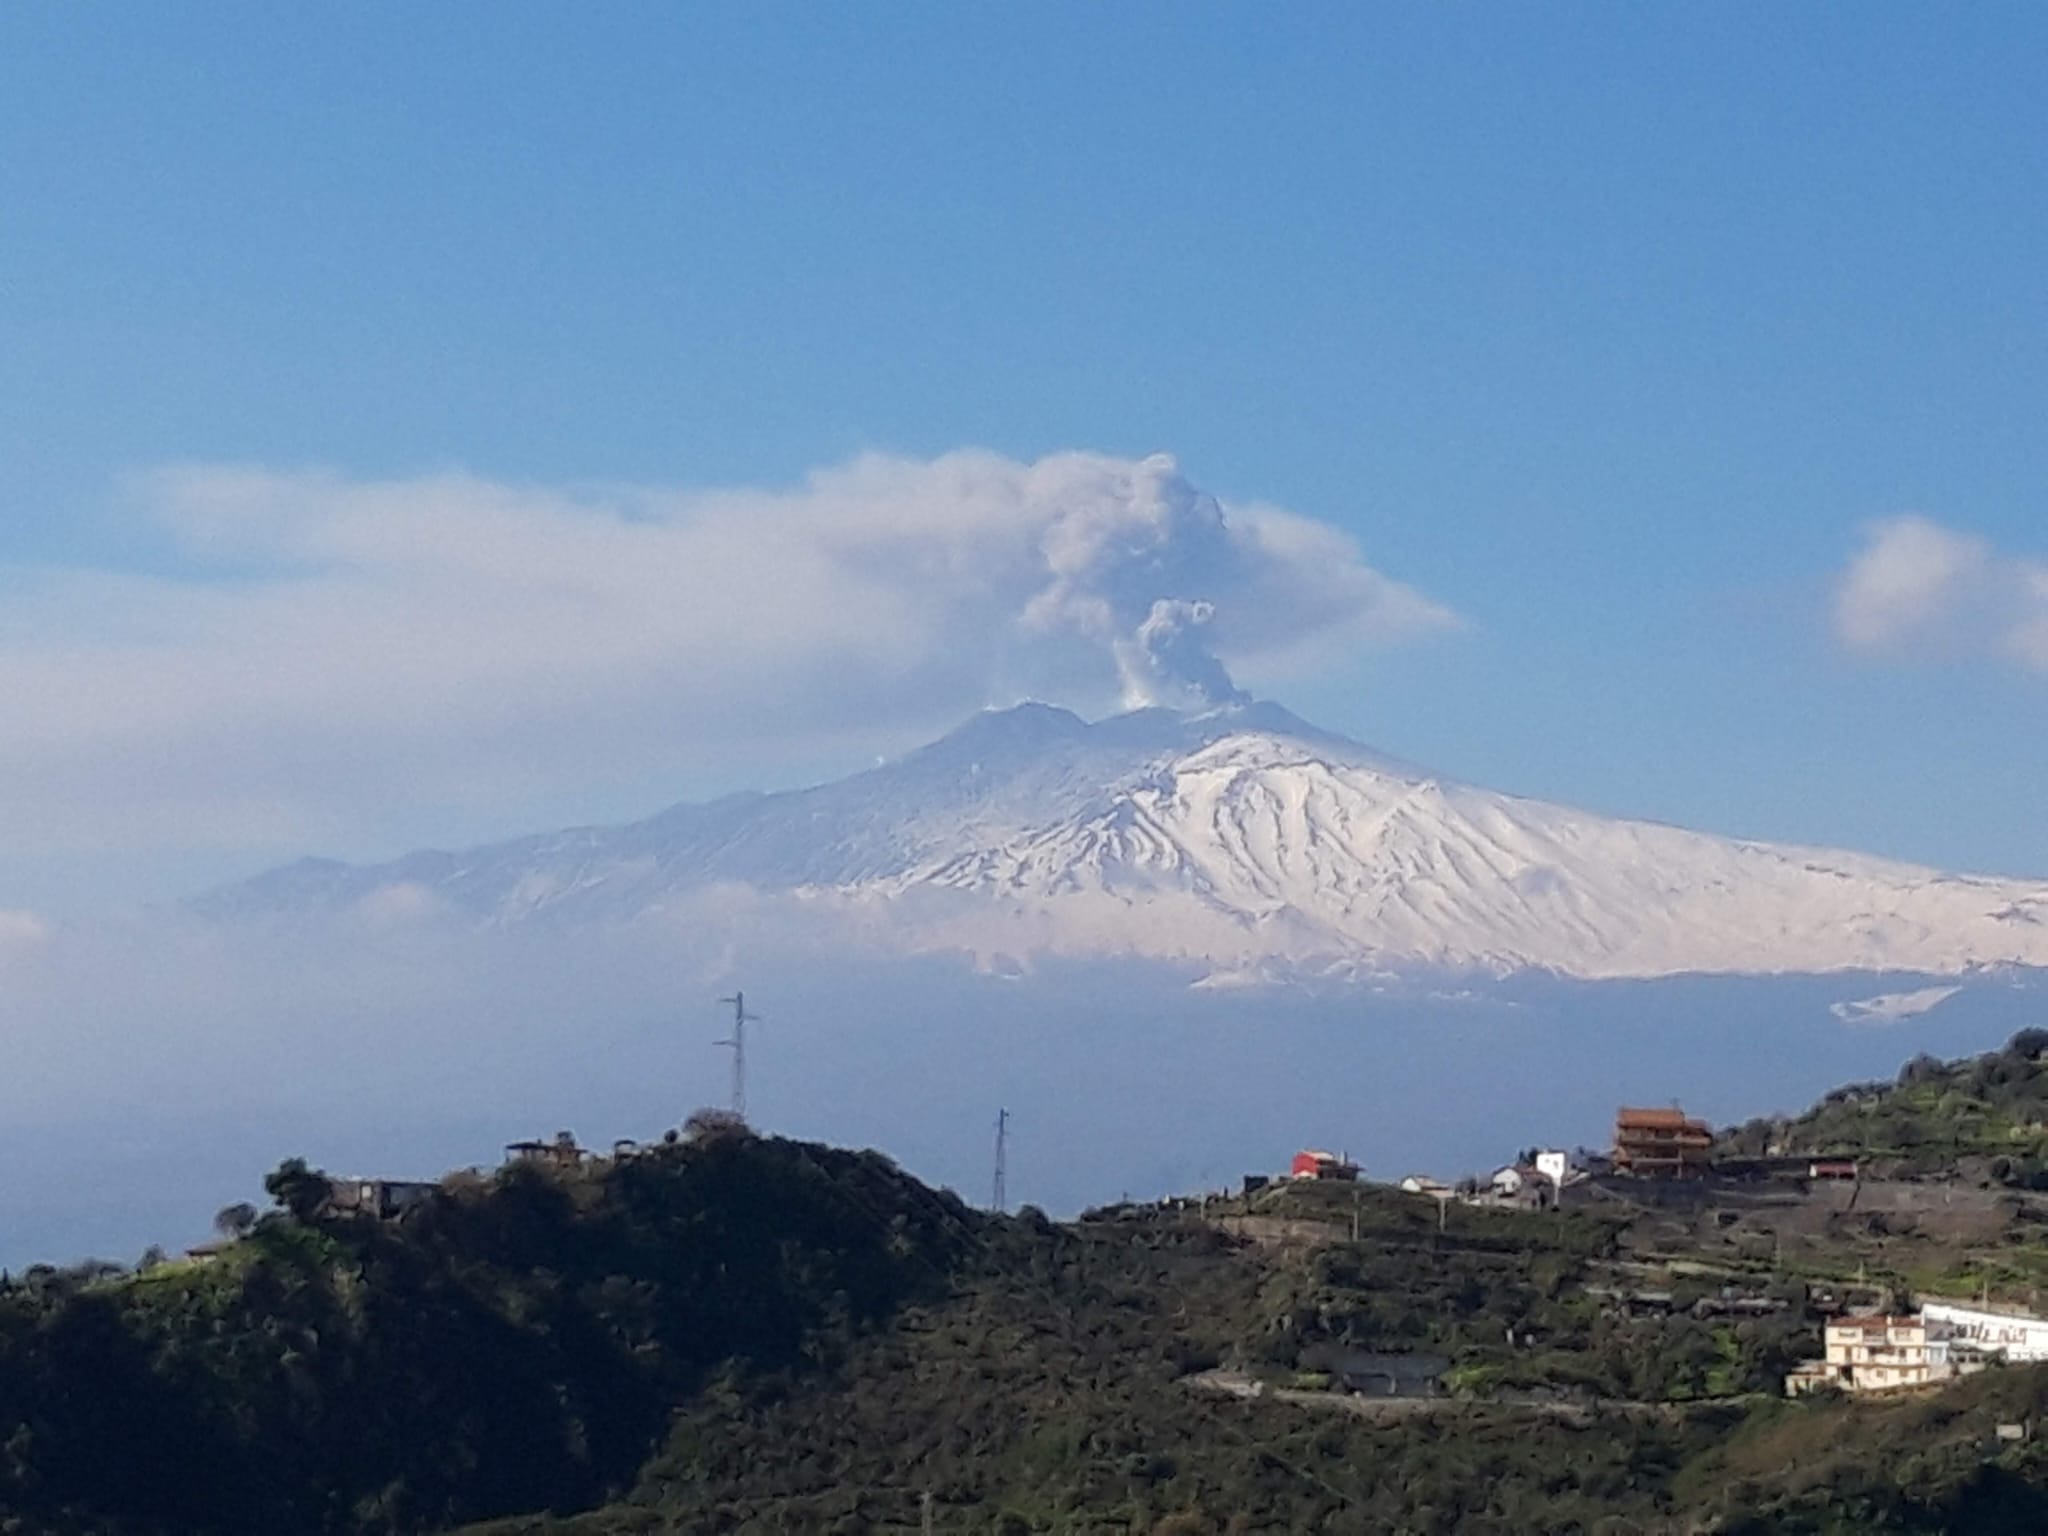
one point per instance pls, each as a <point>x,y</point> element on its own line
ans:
<point>1152,568</point>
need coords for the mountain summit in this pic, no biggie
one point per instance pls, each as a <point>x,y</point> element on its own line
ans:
<point>1240,839</point>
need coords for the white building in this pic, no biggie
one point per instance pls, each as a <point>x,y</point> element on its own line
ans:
<point>1521,1184</point>
<point>2014,1335</point>
<point>1879,1354</point>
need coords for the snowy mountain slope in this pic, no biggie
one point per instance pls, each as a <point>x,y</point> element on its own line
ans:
<point>1237,838</point>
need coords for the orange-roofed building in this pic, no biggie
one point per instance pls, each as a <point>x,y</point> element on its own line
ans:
<point>1662,1144</point>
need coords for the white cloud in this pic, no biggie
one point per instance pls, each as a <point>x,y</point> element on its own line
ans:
<point>1892,1007</point>
<point>21,932</point>
<point>1906,582</point>
<point>349,647</point>
<point>2026,641</point>
<point>1918,588</point>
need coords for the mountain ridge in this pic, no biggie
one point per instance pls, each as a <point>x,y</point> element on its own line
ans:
<point>1240,839</point>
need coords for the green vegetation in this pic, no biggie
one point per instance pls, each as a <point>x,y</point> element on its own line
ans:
<point>1923,1463</point>
<point>1051,1393</point>
<point>739,1334</point>
<point>1504,1295</point>
<point>516,1346</point>
<point>1989,1110</point>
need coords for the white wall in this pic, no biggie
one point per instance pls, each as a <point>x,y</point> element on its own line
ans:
<point>2015,1336</point>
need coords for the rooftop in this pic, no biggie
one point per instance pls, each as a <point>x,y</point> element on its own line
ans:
<point>1656,1119</point>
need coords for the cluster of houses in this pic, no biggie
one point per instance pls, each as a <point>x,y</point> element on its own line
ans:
<point>1943,1340</point>
<point>1882,1353</point>
<point>1535,1182</point>
<point>1658,1143</point>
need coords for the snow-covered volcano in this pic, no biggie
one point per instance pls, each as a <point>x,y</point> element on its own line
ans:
<point>1239,839</point>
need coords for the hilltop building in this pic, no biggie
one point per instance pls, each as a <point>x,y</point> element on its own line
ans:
<point>385,1199</point>
<point>1521,1184</point>
<point>1539,1181</point>
<point>1322,1165</point>
<point>1662,1144</point>
<point>562,1152</point>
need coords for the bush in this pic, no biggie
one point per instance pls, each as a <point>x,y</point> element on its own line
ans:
<point>1922,1069</point>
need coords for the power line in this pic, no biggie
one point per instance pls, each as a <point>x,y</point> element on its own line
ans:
<point>737,1044</point>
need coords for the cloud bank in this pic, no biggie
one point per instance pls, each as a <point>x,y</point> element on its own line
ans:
<point>1917,588</point>
<point>332,648</point>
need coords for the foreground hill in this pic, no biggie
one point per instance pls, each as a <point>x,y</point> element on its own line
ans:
<point>1985,1116</point>
<point>1240,839</point>
<point>744,1334</point>
<point>516,1345</point>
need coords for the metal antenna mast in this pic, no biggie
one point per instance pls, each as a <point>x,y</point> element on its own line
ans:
<point>737,1044</point>
<point>1002,1194</point>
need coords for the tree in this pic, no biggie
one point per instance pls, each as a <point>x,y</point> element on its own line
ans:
<point>236,1220</point>
<point>2028,1044</point>
<point>1921,1069</point>
<point>713,1125</point>
<point>297,1188</point>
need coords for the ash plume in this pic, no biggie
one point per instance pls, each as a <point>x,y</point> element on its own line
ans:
<point>1166,663</point>
<point>1139,559</point>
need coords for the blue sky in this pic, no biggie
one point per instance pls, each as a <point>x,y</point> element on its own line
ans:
<point>1609,330</point>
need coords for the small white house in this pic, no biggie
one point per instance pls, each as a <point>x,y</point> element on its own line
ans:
<point>1511,1180</point>
<point>1522,1184</point>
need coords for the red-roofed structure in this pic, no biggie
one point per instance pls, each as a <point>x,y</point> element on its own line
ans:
<point>1662,1143</point>
<point>1322,1165</point>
